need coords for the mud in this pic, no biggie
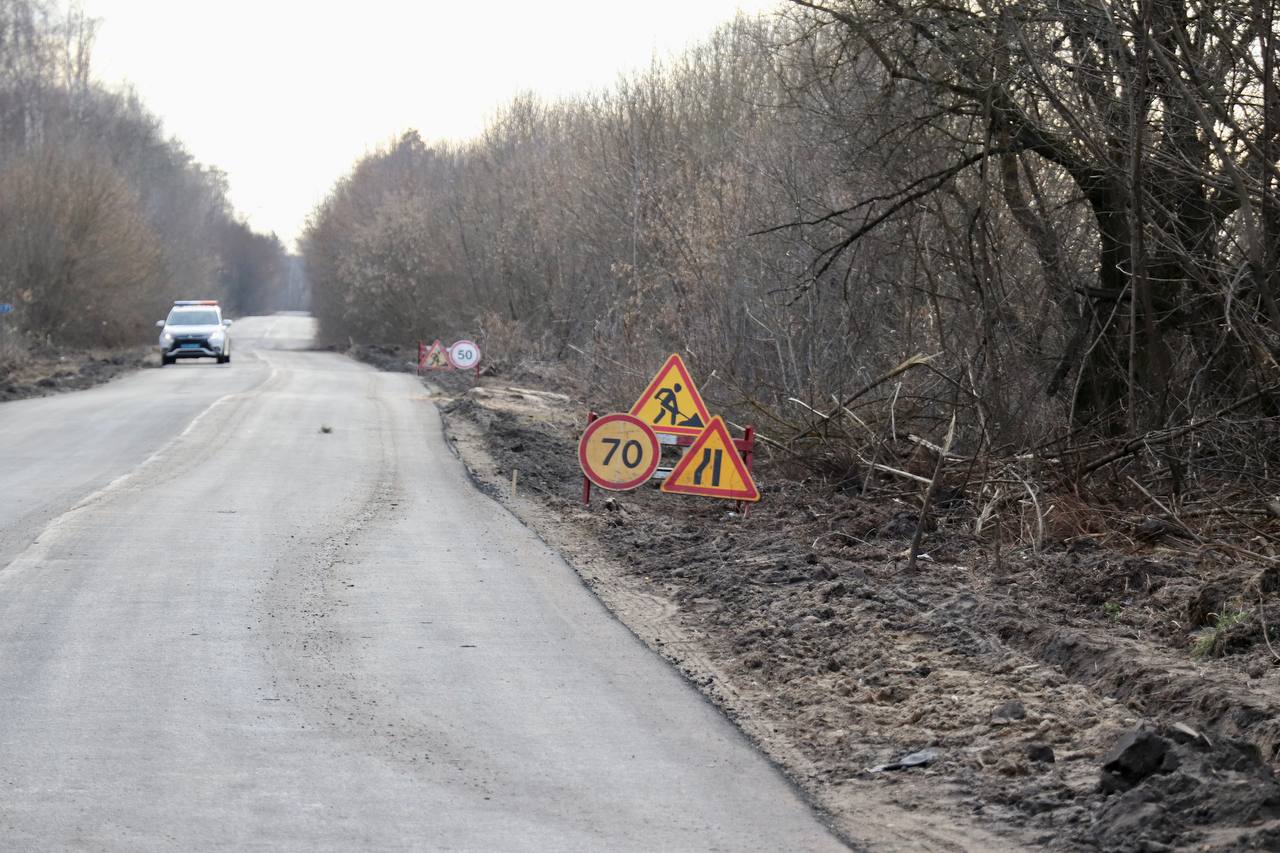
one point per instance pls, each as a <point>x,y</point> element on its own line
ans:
<point>51,371</point>
<point>1021,668</point>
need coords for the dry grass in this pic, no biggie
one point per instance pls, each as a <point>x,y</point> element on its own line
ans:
<point>13,347</point>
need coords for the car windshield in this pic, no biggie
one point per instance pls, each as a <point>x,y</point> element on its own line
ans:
<point>193,318</point>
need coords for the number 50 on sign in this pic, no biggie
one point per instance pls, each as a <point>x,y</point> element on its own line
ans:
<point>618,452</point>
<point>464,355</point>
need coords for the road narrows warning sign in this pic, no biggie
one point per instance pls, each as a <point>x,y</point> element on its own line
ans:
<point>671,404</point>
<point>435,358</point>
<point>618,452</point>
<point>712,468</point>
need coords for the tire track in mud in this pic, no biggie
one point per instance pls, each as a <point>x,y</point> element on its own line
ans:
<point>1169,688</point>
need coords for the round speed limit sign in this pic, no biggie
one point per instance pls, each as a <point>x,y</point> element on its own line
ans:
<point>618,452</point>
<point>464,355</point>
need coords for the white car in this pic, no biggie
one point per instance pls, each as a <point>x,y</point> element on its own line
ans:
<point>195,329</point>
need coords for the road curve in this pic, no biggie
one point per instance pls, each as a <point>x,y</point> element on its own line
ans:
<point>224,628</point>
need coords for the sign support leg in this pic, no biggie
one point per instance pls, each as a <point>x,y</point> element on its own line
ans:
<point>586,484</point>
<point>748,456</point>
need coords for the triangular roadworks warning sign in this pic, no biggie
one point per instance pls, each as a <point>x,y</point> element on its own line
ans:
<point>671,404</point>
<point>712,468</point>
<point>435,358</point>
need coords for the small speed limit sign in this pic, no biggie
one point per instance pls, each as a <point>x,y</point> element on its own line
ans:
<point>464,355</point>
<point>618,452</point>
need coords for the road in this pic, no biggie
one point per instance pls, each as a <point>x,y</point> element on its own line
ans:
<point>222,627</point>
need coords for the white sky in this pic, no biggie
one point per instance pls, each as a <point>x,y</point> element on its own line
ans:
<point>285,95</point>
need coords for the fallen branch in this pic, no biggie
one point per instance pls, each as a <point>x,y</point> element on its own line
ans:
<point>898,473</point>
<point>937,451</point>
<point>928,495</point>
<point>1165,436</point>
<point>914,361</point>
<point>1155,500</point>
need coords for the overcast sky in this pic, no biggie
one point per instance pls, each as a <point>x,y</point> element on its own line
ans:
<point>285,95</point>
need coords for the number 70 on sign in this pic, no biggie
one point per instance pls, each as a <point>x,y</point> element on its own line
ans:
<point>618,452</point>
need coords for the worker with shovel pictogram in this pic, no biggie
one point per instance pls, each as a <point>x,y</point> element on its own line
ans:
<point>672,403</point>
<point>669,402</point>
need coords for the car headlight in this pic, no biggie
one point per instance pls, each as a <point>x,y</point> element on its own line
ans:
<point>167,337</point>
<point>216,339</point>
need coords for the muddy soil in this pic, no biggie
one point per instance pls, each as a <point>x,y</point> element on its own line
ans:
<point>1077,695</point>
<point>50,371</point>
<point>399,359</point>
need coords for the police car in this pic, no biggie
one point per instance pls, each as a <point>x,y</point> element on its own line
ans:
<point>195,329</point>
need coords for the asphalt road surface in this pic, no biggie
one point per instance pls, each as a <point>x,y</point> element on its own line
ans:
<point>222,627</point>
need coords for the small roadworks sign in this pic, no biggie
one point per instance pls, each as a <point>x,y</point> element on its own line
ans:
<point>712,468</point>
<point>434,357</point>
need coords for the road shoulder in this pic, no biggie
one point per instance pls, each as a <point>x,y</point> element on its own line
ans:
<point>879,817</point>
<point>52,371</point>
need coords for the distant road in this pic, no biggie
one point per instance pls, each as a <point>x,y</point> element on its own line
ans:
<point>222,628</point>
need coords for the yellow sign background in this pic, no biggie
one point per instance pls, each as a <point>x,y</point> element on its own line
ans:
<point>671,404</point>
<point>618,452</point>
<point>436,358</point>
<point>712,468</point>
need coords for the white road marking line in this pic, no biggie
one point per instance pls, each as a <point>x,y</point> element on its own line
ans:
<point>39,547</point>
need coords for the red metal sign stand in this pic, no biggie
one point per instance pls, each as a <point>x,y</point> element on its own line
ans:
<point>592,417</point>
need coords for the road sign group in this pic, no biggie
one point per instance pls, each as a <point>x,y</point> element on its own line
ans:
<point>463,355</point>
<point>622,451</point>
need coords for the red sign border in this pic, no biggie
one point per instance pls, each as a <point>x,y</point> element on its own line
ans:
<point>630,484</point>
<point>689,383</point>
<point>456,366</point>
<point>426,354</point>
<point>670,486</point>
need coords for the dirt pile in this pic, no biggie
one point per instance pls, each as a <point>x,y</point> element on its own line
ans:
<point>1020,670</point>
<point>49,371</point>
<point>384,357</point>
<point>1176,783</point>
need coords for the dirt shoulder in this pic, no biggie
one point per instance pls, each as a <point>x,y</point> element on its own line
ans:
<point>1076,697</point>
<point>51,371</point>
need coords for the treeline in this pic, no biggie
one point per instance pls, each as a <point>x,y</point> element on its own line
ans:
<point>103,219</point>
<point>1068,210</point>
